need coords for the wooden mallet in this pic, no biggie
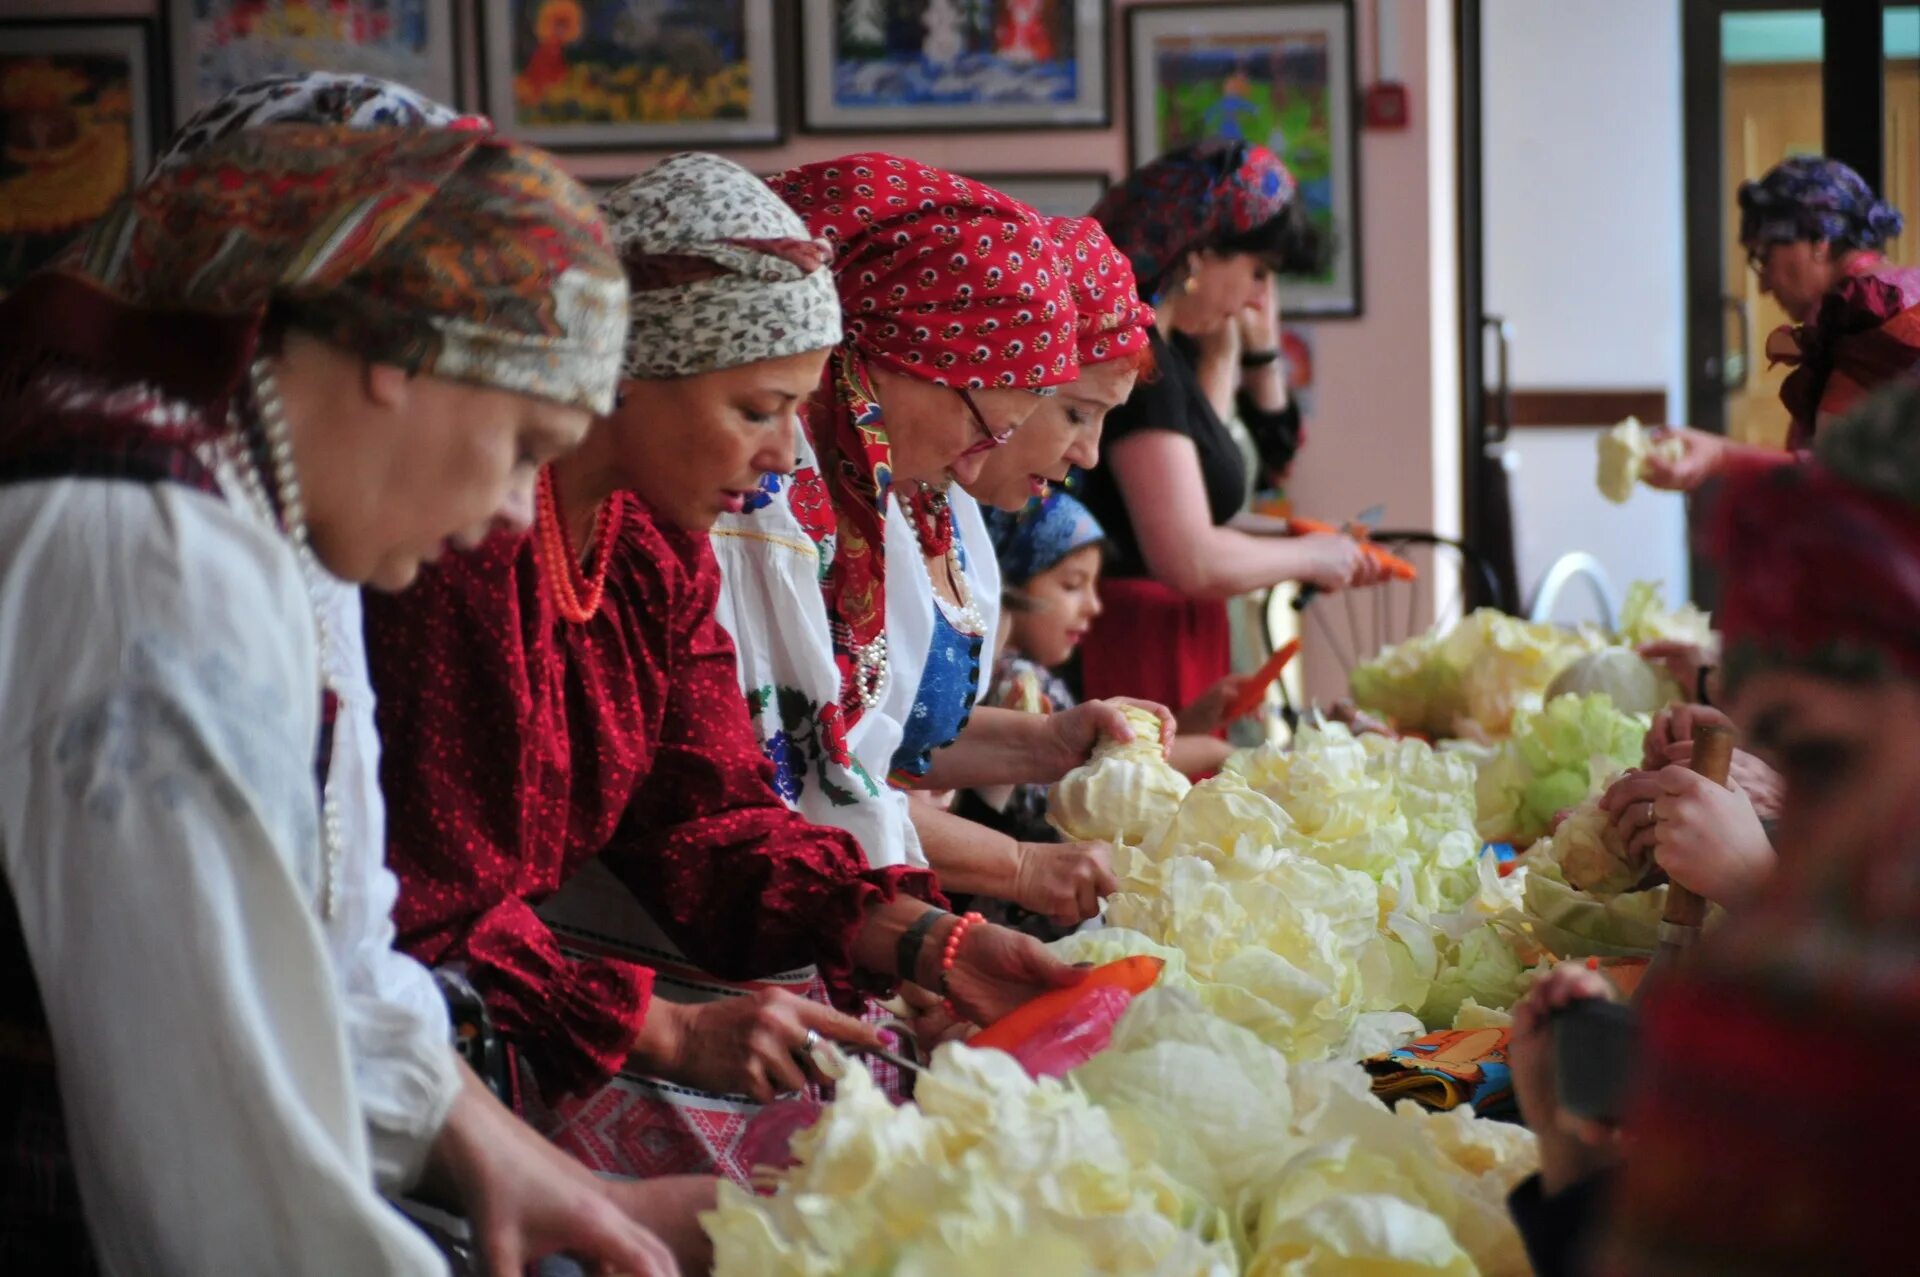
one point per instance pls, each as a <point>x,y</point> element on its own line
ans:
<point>1680,925</point>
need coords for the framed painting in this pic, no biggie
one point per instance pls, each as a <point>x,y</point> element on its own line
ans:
<point>1055,194</point>
<point>220,45</point>
<point>77,114</point>
<point>1280,75</point>
<point>927,65</point>
<point>626,73</point>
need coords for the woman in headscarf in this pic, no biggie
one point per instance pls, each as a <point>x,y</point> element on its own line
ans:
<point>582,815</point>
<point>1766,1136</point>
<point>1816,235</point>
<point>959,321</point>
<point>942,658</point>
<point>252,374</point>
<point>1205,226</point>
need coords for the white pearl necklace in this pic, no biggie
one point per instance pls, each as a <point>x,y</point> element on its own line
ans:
<point>870,671</point>
<point>293,525</point>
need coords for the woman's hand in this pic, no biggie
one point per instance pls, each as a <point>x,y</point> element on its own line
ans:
<point>1259,320</point>
<point>1702,457</point>
<point>1076,731</point>
<point>1683,663</point>
<point>998,969</point>
<point>753,1045</point>
<point>1209,709</point>
<point>528,1200</point>
<point>1674,728</point>
<point>1335,561</point>
<point>670,1206</point>
<point>1764,787</point>
<point>1706,836</point>
<point>1066,881</point>
<point>1570,1149</point>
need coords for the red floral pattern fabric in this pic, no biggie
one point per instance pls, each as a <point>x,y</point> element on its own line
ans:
<point>1111,322</point>
<point>942,279</point>
<point>518,747</point>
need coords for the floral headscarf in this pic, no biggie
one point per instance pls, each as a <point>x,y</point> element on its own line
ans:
<point>1112,322</point>
<point>1040,536</point>
<point>1809,197</point>
<point>448,252</point>
<point>315,97</point>
<point>941,279</point>
<point>1188,199</point>
<point>721,272</point>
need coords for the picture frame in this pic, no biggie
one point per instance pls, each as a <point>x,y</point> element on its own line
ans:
<point>219,45</point>
<point>883,66</point>
<point>1054,194</point>
<point>1237,69</point>
<point>615,83</point>
<point>86,134</point>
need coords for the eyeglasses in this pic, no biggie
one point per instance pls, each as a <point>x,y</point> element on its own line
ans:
<point>988,439</point>
<point>1757,256</point>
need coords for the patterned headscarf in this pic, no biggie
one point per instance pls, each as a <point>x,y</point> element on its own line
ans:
<point>1808,197</point>
<point>316,97</point>
<point>1040,536</point>
<point>1822,559</point>
<point>721,272</point>
<point>941,278</point>
<point>448,252</point>
<point>1112,322</point>
<point>1190,199</point>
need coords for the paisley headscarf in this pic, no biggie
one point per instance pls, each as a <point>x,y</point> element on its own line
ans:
<point>1810,197</point>
<point>315,97</point>
<point>942,279</point>
<point>721,272</point>
<point>1189,199</point>
<point>450,252</point>
<point>1765,1136</point>
<point>1112,322</point>
<point>1040,536</point>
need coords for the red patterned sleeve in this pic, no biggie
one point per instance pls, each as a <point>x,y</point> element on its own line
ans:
<point>740,881</point>
<point>476,824</point>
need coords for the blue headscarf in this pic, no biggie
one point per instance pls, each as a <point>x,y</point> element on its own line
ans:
<point>1808,197</point>
<point>1037,538</point>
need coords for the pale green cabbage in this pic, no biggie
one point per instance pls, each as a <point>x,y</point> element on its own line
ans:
<point>1125,793</point>
<point>1623,453</point>
<point>1645,618</point>
<point>1633,684</point>
<point>1556,758</point>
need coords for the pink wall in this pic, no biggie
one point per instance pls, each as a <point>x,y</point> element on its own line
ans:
<point>1385,420</point>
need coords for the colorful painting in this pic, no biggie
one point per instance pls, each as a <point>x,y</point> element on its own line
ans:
<point>219,45</point>
<point>75,118</point>
<point>1280,76</point>
<point>1055,194</point>
<point>609,73</point>
<point>955,64</point>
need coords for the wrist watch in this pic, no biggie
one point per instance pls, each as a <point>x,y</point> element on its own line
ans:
<point>1258,358</point>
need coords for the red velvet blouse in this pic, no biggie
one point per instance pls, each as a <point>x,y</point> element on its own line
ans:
<point>517,746</point>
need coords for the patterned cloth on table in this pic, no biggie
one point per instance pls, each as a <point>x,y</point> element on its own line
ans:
<point>604,768</point>
<point>1191,198</point>
<point>941,279</point>
<point>1769,1133</point>
<point>1444,1070</point>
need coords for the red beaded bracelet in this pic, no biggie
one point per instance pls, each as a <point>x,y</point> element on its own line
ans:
<point>952,951</point>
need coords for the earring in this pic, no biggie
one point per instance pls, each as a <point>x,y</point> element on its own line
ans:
<point>1189,284</point>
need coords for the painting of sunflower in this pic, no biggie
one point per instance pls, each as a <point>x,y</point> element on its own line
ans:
<point>633,72</point>
<point>74,131</point>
